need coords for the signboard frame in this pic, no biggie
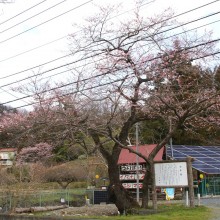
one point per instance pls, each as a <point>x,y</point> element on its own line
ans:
<point>171,173</point>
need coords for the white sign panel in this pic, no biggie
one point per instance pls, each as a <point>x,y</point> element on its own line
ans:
<point>131,167</point>
<point>131,176</point>
<point>171,174</point>
<point>132,185</point>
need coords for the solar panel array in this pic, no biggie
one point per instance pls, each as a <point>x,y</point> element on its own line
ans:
<point>207,158</point>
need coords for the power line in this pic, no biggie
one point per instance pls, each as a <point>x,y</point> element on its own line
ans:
<point>27,51</point>
<point>196,28</point>
<point>111,18</point>
<point>65,85</point>
<point>67,64</point>
<point>97,86</point>
<point>22,12</point>
<point>12,95</point>
<point>158,33</point>
<point>66,12</point>
<point>48,43</point>
<point>47,9</point>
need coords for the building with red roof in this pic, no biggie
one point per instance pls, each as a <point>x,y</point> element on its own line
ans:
<point>129,165</point>
<point>127,157</point>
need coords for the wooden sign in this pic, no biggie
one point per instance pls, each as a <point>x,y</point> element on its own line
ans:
<point>169,174</point>
<point>131,176</point>
<point>128,168</point>
<point>132,185</point>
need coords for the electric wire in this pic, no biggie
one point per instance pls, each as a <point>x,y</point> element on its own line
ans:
<point>51,19</point>
<point>20,13</point>
<point>183,13</point>
<point>21,22</point>
<point>79,60</point>
<point>32,49</point>
<point>196,28</point>
<point>66,36</point>
<point>93,87</point>
<point>83,80</point>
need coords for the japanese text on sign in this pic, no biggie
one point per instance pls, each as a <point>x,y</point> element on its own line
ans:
<point>131,167</point>
<point>171,174</point>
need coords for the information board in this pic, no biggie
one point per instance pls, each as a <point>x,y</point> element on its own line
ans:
<point>171,174</point>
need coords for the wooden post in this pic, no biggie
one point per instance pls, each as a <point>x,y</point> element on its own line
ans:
<point>190,181</point>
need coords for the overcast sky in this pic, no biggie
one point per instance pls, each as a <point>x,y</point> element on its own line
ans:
<point>21,42</point>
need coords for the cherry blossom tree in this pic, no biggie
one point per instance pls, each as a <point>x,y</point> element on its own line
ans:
<point>41,152</point>
<point>131,71</point>
<point>137,72</point>
<point>51,121</point>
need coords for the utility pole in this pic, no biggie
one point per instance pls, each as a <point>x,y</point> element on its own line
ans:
<point>190,181</point>
<point>171,140</point>
<point>137,164</point>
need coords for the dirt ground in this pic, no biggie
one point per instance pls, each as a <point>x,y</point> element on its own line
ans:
<point>92,210</point>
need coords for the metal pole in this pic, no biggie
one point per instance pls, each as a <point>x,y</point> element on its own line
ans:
<point>198,197</point>
<point>171,140</point>
<point>137,163</point>
<point>171,147</point>
<point>187,198</point>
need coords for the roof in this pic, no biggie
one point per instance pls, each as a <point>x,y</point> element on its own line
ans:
<point>11,149</point>
<point>127,157</point>
<point>207,158</point>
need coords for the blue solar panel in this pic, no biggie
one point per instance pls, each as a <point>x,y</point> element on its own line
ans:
<point>207,158</point>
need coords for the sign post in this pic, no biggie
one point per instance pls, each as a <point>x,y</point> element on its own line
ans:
<point>175,174</point>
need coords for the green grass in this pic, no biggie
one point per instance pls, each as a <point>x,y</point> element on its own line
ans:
<point>165,212</point>
<point>169,212</point>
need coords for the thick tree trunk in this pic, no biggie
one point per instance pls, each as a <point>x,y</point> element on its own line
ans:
<point>145,190</point>
<point>118,194</point>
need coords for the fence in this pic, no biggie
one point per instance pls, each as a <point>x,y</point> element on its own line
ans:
<point>10,200</point>
<point>209,186</point>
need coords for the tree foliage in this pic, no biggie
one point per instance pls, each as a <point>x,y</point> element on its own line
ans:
<point>66,173</point>
<point>41,152</point>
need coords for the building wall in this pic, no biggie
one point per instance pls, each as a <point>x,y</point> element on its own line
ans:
<point>7,156</point>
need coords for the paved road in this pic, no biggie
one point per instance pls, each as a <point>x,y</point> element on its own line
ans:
<point>211,201</point>
<point>214,204</point>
